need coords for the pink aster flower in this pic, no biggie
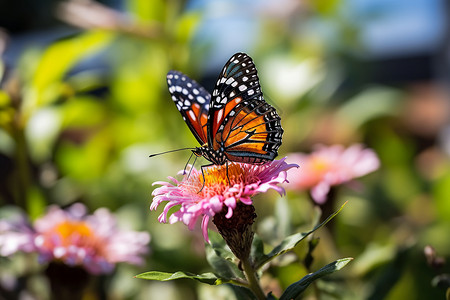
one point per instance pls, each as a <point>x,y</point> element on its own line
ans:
<point>71,236</point>
<point>330,166</point>
<point>245,181</point>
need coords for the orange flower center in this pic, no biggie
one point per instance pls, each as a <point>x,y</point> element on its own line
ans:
<point>68,230</point>
<point>218,178</point>
<point>73,233</point>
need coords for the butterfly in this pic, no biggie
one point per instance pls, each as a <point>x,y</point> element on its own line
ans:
<point>235,123</point>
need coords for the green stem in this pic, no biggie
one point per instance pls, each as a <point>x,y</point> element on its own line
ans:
<point>253,282</point>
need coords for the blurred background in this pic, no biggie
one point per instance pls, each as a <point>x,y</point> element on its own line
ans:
<point>84,101</point>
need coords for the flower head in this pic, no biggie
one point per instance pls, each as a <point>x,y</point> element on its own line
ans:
<point>330,166</point>
<point>75,238</point>
<point>221,187</point>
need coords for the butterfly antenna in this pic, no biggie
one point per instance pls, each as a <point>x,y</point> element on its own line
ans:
<point>181,149</point>
<point>185,166</point>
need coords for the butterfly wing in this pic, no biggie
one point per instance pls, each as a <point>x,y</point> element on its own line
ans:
<point>192,100</point>
<point>240,122</point>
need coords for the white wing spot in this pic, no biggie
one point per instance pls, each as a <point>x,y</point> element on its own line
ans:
<point>187,103</point>
<point>175,76</point>
<point>219,116</point>
<point>192,116</point>
<point>178,88</point>
<point>195,91</point>
<point>200,99</point>
<point>242,88</point>
<point>232,94</point>
<point>170,76</point>
<point>183,78</point>
<point>250,92</point>
<point>230,80</point>
<point>185,91</point>
<point>189,85</point>
<point>234,84</point>
<point>245,78</point>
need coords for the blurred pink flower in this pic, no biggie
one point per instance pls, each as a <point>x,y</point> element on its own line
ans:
<point>246,180</point>
<point>75,238</point>
<point>329,166</point>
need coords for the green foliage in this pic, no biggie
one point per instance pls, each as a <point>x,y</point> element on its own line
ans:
<point>208,278</point>
<point>80,115</point>
<point>221,259</point>
<point>290,242</point>
<point>297,288</point>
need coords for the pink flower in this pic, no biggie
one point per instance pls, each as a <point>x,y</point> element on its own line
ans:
<point>245,181</point>
<point>75,238</point>
<point>329,166</point>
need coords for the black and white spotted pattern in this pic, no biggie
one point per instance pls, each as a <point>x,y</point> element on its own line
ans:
<point>237,79</point>
<point>235,123</point>
<point>185,93</point>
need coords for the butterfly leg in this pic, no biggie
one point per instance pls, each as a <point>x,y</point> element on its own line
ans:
<point>203,174</point>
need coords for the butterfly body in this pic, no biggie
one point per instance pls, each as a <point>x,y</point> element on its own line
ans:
<point>235,123</point>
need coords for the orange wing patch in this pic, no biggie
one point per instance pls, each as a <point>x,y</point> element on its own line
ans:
<point>198,121</point>
<point>246,132</point>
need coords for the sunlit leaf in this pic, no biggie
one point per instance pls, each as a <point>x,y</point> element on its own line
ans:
<point>208,278</point>
<point>291,241</point>
<point>370,104</point>
<point>300,286</point>
<point>56,61</point>
<point>187,26</point>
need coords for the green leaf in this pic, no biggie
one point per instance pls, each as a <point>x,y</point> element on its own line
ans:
<point>208,278</point>
<point>257,250</point>
<point>299,287</point>
<point>47,79</point>
<point>220,258</point>
<point>290,242</point>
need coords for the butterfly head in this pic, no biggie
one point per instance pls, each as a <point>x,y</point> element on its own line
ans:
<point>216,157</point>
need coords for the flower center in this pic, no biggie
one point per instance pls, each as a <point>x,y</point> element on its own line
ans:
<point>72,233</point>
<point>319,164</point>
<point>68,230</point>
<point>219,178</point>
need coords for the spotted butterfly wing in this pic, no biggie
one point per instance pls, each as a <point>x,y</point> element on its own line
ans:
<point>192,100</point>
<point>242,126</point>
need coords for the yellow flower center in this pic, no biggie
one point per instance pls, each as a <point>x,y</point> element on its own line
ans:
<point>68,230</point>
<point>319,165</point>
<point>218,178</point>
